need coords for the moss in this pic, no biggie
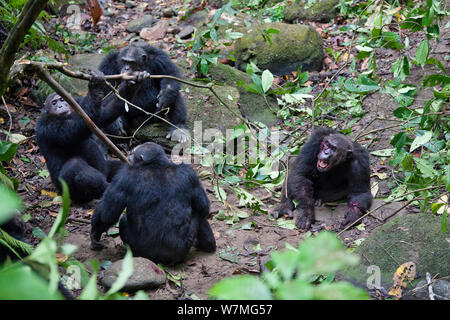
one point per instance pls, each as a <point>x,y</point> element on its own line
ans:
<point>321,10</point>
<point>417,238</point>
<point>293,46</point>
<point>252,105</point>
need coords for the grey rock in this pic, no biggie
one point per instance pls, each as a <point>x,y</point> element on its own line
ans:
<point>137,25</point>
<point>186,32</point>
<point>440,288</point>
<point>415,237</point>
<point>146,274</point>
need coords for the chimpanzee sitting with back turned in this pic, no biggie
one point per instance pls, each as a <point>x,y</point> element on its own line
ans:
<point>167,208</point>
<point>329,167</point>
<point>69,148</point>
<point>154,94</point>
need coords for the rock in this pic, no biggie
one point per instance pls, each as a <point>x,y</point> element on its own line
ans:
<point>294,46</point>
<point>320,10</point>
<point>186,32</point>
<point>252,105</point>
<point>135,26</point>
<point>146,274</point>
<point>85,61</point>
<point>440,287</point>
<point>157,32</point>
<point>415,237</point>
<point>202,106</point>
<point>168,12</point>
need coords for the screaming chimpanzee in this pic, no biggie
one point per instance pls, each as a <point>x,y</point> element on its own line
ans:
<point>166,208</point>
<point>70,150</point>
<point>154,94</point>
<point>329,167</point>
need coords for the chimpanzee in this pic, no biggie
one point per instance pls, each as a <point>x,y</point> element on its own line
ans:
<point>70,150</point>
<point>154,94</point>
<point>329,167</point>
<point>166,208</point>
<point>16,229</point>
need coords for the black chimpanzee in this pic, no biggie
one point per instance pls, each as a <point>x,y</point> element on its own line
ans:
<point>70,150</point>
<point>154,94</point>
<point>329,167</point>
<point>166,208</point>
<point>16,229</point>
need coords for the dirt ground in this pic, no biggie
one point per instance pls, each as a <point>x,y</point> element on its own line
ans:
<point>235,246</point>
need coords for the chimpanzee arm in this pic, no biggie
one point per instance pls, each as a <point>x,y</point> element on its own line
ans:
<point>359,196</point>
<point>199,199</point>
<point>108,210</point>
<point>113,107</point>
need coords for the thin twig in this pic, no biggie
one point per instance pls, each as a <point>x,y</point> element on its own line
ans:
<point>9,115</point>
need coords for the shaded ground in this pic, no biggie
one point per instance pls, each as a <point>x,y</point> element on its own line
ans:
<point>235,247</point>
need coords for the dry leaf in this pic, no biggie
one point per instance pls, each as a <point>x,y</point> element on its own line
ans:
<point>405,273</point>
<point>49,193</point>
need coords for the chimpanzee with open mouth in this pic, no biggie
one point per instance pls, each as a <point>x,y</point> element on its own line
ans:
<point>329,167</point>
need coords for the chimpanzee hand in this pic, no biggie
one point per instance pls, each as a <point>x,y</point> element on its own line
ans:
<point>97,78</point>
<point>165,97</point>
<point>139,76</point>
<point>281,210</point>
<point>352,215</point>
<point>304,218</point>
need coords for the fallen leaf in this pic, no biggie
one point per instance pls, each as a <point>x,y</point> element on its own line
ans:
<point>404,274</point>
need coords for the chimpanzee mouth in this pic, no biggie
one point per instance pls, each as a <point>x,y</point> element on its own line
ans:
<point>322,164</point>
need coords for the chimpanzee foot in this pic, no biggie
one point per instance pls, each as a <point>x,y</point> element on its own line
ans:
<point>180,135</point>
<point>350,217</point>
<point>303,220</point>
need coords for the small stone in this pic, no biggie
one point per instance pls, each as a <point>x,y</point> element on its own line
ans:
<point>135,26</point>
<point>157,32</point>
<point>146,274</point>
<point>168,12</point>
<point>186,32</point>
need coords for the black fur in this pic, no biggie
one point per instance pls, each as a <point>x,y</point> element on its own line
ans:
<point>70,150</point>
<point>166,208</point>
<point>347,178</point>
<point>154,94</point>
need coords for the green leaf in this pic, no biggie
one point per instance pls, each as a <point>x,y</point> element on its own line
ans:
<point>267,80</point>
<point>243,287</point>
<point>422,52</point>
<point>20,282</point>
<point>420,140</point>
<point>360,85</point>
<point>90,291</point>
<point>7,150</point>
<point>125,273</point>
<point>63,212</point>
<point>382,152</point>
<point>9,203</point>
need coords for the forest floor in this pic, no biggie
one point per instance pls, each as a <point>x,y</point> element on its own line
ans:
<point>235,245</point>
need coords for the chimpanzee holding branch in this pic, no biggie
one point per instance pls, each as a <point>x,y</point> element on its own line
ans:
<point>70,150</point>
<point>329,167</point>
<point>154,95</point>
<point>166,208</point>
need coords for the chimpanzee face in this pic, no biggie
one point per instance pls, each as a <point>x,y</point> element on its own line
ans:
<point>55,104</point>
<point>132,58</point>
<point>334,150</point>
